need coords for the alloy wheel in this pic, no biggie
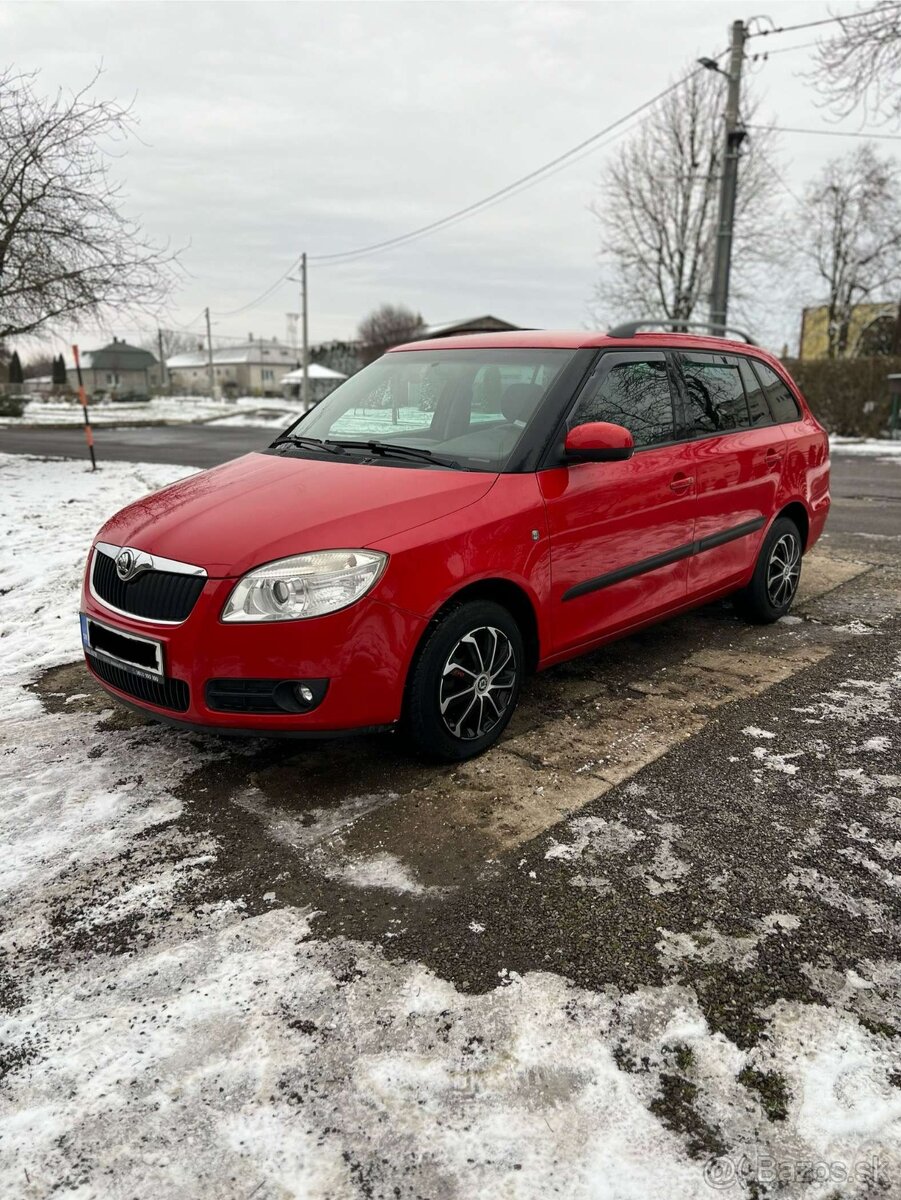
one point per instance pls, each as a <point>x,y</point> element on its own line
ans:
<point>477,683</point>
<point>783,570</point>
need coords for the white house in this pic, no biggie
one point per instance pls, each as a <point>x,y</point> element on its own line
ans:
<point>323,381</point>
<point>254,368</point>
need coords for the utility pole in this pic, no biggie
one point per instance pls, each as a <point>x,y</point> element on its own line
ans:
<point>164,374</point>
<point>304,310</point>
<point>291,320</point>
<point>209,355</point>
<point>735,135</point>
<point>304,330</point>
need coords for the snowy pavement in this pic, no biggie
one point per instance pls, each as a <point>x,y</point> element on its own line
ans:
<point>648,947</point>
<point>867,447</point>
<point>260,412</point>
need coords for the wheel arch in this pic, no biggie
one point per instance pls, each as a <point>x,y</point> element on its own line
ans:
<point>797,512</point>
<point>502,591</point>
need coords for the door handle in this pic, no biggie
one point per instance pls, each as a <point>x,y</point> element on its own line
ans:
<point>681,483</point>
<point>772,457</point>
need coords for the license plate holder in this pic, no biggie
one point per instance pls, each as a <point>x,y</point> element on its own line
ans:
<point>129,652</point>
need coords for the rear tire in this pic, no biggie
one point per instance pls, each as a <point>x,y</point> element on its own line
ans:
<point>774,583</point>
<point>465,681</point>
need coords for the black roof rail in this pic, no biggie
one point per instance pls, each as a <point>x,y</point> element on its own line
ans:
<point>629,329</point>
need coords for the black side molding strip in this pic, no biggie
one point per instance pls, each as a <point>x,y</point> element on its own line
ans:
<point>663,560</point>
<point>622,573</point>
<point>729,535</point>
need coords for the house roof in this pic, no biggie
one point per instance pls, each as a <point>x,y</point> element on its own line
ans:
<point>316,371</point>
<point>257,353</point>
<point>486,324</point>
<point>118,356</point>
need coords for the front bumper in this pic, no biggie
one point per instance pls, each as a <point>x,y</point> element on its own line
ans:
<point>364,652</point>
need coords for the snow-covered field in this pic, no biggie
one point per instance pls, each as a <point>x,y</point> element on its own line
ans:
<point>242,412</point>
<point>867,447</point>
<point>273,413</point>
<point>236,1055</point>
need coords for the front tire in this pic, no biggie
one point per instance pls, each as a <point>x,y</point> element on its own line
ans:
<point>465,681</point>
<point>774,583</point>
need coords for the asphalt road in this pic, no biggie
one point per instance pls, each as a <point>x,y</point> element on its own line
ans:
<point>870,485</point>
<point>190,445</point>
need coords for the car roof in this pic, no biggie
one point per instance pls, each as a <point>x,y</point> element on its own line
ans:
<point>553,339</point>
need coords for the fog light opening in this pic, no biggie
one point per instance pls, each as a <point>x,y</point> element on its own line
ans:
<point>299,695</point>
<point>265,695</point>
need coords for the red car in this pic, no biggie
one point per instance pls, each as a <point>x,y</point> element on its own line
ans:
<point>458,514</point>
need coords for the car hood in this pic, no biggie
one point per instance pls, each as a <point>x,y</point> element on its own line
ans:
<point>267,506</point>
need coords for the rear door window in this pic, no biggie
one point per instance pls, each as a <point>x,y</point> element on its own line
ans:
<point>631,390</point>
<point>783,405</point>
<point>758,408</point>
<point>715,399</point>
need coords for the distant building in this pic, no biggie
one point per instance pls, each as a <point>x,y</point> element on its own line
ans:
<point>874,328</point>
<point>39,385</point>
<point>485,324</point>
<point>116,370</point>
<point>323,381</point>
<point>253,368</point>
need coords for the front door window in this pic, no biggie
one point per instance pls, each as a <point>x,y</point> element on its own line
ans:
<point>631,390</point>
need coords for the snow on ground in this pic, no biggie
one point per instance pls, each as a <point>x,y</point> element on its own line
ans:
<point>880,448</point>
<point>268,412</point>
<point>244,411</point>
<point>51,510</point>
<point>243,1056</point>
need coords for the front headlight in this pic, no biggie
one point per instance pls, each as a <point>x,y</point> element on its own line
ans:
<point>307,585</point>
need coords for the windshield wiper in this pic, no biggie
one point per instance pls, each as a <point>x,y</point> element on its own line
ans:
<point>388,448</point>
<point>313,443</point>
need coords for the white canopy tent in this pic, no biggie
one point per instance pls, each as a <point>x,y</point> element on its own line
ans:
<point>315,371</point>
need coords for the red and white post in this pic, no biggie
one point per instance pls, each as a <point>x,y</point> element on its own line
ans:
<point>83,399</point>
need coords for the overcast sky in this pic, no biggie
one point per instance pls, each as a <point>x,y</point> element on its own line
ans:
<point>267,129</point>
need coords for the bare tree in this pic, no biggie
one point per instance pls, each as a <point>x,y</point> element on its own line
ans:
<point>387,326</point>
<point>67,251</point>
<point>39,365</point>
<point>175,341</point>
<point>338,356</point>
<point>657,207</point>
<point>851,231</point>
<point>860,65</point>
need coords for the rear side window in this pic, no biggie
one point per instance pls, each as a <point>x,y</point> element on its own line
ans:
<point>758,408</point>
<point>783,405</point>
<point>714,395</point>
<point>631,390</point>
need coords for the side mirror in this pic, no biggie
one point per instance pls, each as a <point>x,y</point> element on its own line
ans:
<point>599,441</point>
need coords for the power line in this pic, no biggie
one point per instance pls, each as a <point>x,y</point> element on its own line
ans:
<point>765,54</point>
<point>189,323</point>
<point>262,296</point>
<point>235,338</point>
<point>883,137</point>
<point>477,205</point>
<point>545,171</point>
<point>808,24</point>
<point>524,187</point>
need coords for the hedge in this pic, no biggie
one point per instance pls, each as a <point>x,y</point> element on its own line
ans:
<point>11,406</point>
<point>848,395</point>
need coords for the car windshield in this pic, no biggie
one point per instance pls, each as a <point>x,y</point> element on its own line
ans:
<point>463,408</point>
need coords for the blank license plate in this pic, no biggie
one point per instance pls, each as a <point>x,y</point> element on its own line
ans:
<point>138,655</point>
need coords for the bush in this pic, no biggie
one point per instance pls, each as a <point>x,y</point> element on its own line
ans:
<point>848,395</point>
<point>12,406</point>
